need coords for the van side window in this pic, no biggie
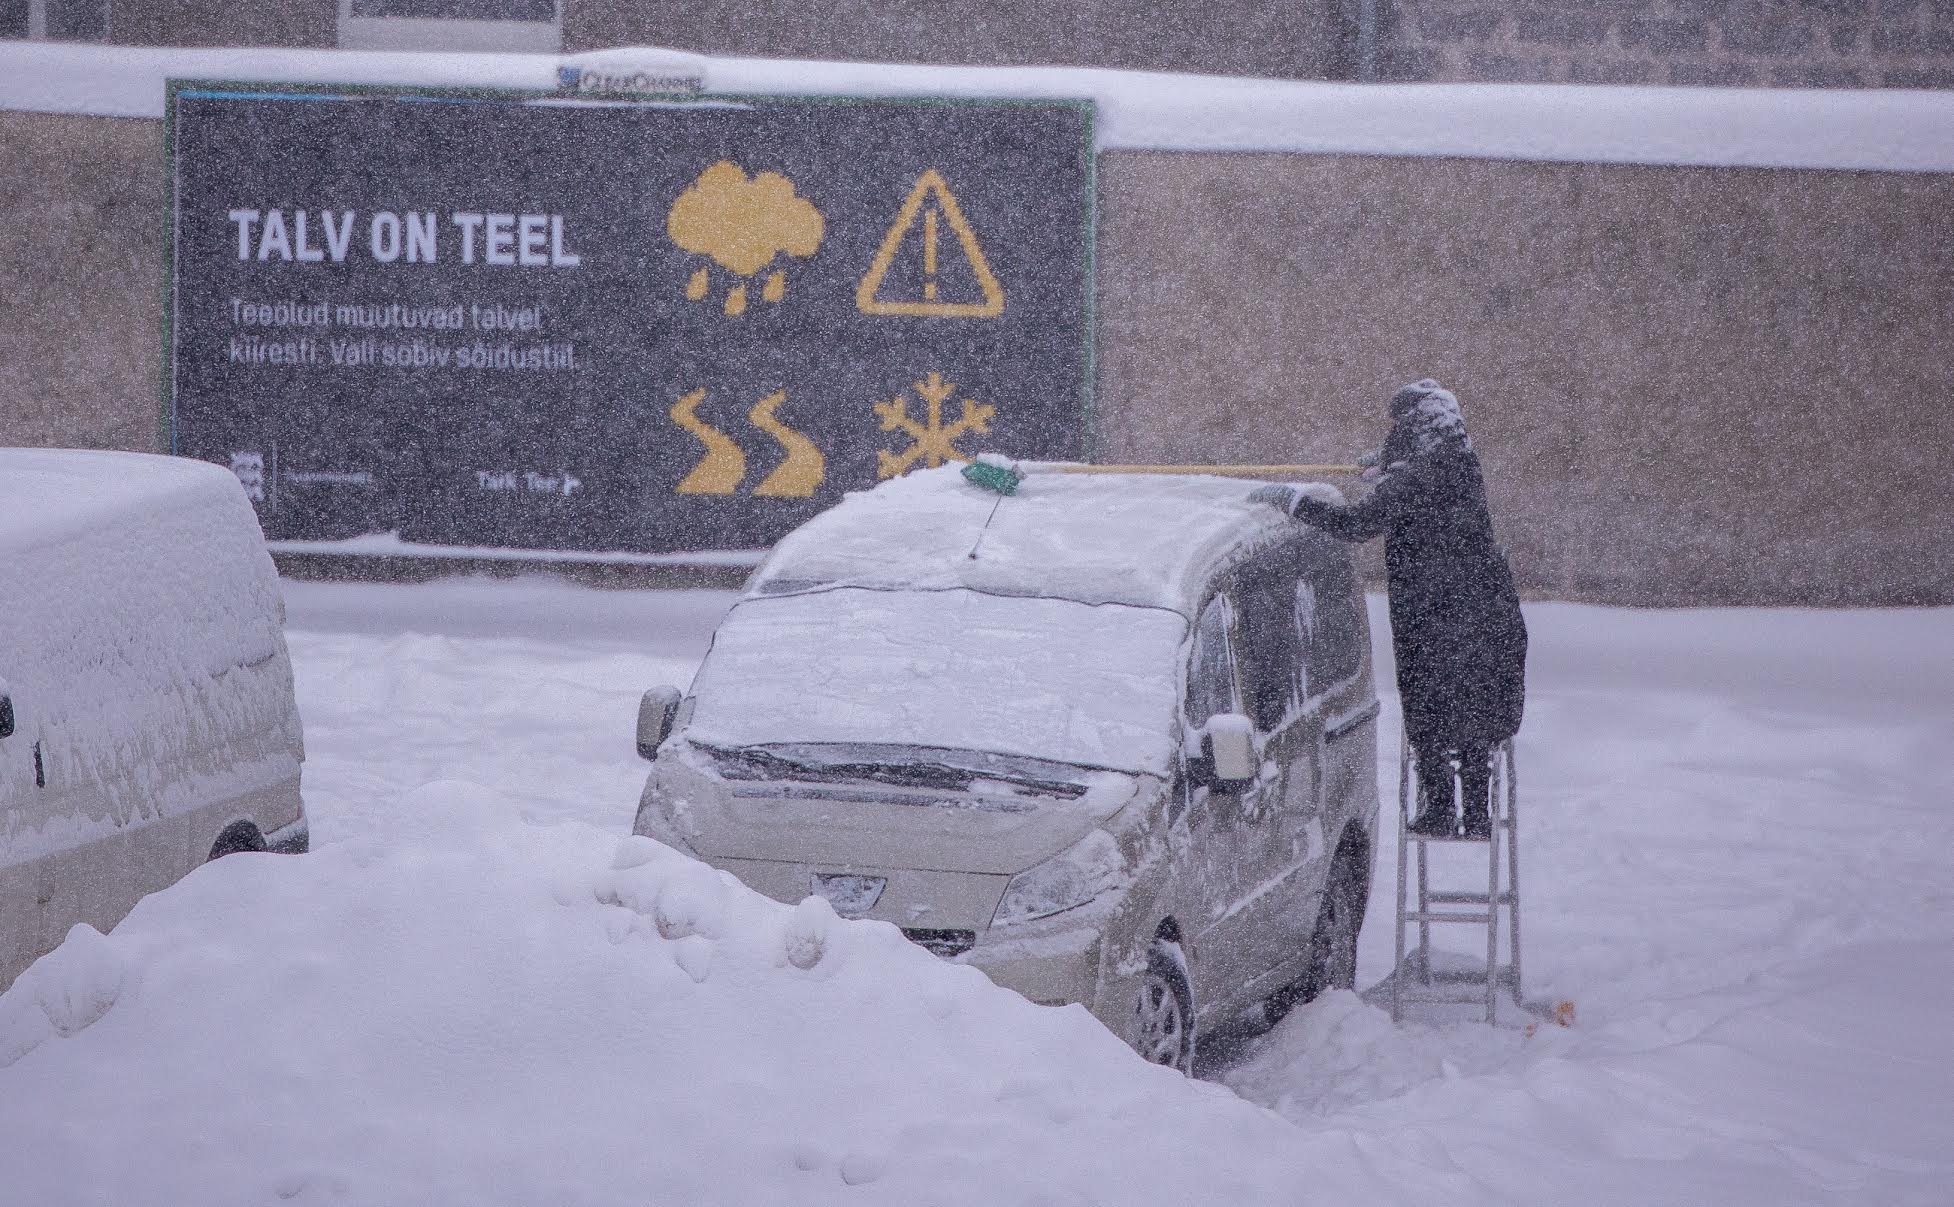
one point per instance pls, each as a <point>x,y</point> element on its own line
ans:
<point>1211,672</point>
<point>1306,625</point>
<point>1336,640</point>
<point>1270,649</point>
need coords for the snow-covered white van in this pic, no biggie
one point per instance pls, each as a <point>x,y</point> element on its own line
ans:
<point>147,721</point>
<point>1109,739</point>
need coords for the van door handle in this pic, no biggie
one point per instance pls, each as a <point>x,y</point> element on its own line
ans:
<point>1351,722</point>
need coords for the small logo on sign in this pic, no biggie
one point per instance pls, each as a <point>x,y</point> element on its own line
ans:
<point>932,441</point>
<point>250,471</point>
<point>744,225</point>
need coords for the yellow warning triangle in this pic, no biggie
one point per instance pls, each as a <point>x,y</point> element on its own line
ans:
<point>930,188</point>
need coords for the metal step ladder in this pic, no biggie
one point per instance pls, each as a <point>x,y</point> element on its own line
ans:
<point>1464,908</point>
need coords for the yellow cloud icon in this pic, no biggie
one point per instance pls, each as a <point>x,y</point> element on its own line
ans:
<point>743,224</point>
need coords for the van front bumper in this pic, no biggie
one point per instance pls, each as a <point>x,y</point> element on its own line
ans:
<point>295,839</point>
<point>1051,968</point>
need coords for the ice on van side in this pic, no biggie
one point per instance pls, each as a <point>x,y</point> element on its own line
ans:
<point>1141,539</point>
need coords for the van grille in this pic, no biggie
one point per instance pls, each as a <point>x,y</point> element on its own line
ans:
<point>941,942</point>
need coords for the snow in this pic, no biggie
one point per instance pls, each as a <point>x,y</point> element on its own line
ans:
<point>1876,129</point>
<point>530,1014</point>
<point>389,544</point>
<point>141,643</point>
<point>1138,539</point>
<point>958,670</point>
<point>1736,852</point>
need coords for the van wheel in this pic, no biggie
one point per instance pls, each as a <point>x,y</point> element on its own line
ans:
<point>1164,1014</point>
<point>238,836</point>
<point>1333,945</point>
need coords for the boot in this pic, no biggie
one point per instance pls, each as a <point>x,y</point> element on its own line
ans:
<point>1476,791</point>
<point>1435,814</point>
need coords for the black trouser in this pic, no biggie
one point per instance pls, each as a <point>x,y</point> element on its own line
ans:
<point>1435,777</point>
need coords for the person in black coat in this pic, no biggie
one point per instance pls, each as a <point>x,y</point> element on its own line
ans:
<point>1456,627</point>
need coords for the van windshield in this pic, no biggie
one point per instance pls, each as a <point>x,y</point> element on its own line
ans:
<point>936,672</point>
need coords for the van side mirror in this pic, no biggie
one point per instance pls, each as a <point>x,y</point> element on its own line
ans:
<point>656,711</point>
<point>1230,743</point>
<point>1227,758</point>
<point>6,716</point>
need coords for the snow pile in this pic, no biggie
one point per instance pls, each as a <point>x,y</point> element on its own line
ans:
<point>958,670</point>
<point>1877,129</point>
<point>141,641</point>
<point>550,1014</point>
<point>1145,540</point>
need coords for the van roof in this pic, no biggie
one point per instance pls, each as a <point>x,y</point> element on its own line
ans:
<point>50,495</point>
<point>1149,540</point>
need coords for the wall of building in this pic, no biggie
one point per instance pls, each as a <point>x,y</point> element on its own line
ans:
<point>222,23</point>
<point>1689,385</point>
<point>1287,40</point>
<point>81,280</point>
<point>1779,43</point>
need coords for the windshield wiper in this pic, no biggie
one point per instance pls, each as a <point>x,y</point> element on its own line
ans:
<point>907,775</point>
<point>903,774</point>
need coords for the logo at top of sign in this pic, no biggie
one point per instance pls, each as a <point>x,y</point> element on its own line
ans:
<point>744,225</point>
<point>918,225</point>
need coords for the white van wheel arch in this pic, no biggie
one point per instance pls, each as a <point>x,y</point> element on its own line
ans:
<point>238,836</point>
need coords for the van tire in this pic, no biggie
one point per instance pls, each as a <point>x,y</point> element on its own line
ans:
<point>237,837</point>
<point>1163,1031</point>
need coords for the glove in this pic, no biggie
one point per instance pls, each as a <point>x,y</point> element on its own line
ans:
<point>1282,498</point>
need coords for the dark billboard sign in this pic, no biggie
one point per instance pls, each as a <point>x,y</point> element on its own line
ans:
<point>560,322</point>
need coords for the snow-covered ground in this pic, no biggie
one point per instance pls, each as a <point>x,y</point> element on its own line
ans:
<point>1739,867</point>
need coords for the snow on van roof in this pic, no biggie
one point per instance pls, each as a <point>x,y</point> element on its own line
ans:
<point>48,496</point>
<point>1142,539</point>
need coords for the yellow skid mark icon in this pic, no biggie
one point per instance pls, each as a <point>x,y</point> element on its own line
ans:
<point>720,471</point>
<point>801,473</point>
<point>723,468</point>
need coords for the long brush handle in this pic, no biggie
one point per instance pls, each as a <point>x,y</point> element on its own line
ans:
<point>1219,471</point>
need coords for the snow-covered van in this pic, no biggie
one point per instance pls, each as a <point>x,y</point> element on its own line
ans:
<point>147,721</point>
<point>1110,739</point>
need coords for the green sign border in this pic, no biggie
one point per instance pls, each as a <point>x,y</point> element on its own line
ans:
<point>273,90</point>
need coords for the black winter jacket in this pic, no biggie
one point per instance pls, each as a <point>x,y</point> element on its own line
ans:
<point>1456,628</point>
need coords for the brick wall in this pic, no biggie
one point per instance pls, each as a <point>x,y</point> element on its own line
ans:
<point>1281,40</point>
<point>1778,43</point>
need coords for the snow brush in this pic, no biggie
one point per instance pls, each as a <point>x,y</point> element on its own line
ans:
<point>1001,477</point>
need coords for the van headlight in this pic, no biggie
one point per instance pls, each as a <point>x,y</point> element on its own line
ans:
<point>1088,869</point>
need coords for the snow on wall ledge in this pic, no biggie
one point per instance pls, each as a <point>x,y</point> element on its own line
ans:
<point>1880,130</point>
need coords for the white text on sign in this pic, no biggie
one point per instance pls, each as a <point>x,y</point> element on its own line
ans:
<point>411,237</point>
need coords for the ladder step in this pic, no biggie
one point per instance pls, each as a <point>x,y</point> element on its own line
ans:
<point>1446,916</point>
<point>1469,899</point>
<point>1414,836</point>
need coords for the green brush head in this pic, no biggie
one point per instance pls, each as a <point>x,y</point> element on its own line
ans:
<point>998,477</point>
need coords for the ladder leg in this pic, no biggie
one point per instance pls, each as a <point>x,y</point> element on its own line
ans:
<point>1397,973</point>
<point>1424,912</point>
<point>1510,781</point>
<point>1492,917</point>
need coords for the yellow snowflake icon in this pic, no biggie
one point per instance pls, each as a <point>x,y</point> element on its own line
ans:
<point>932,441</point>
